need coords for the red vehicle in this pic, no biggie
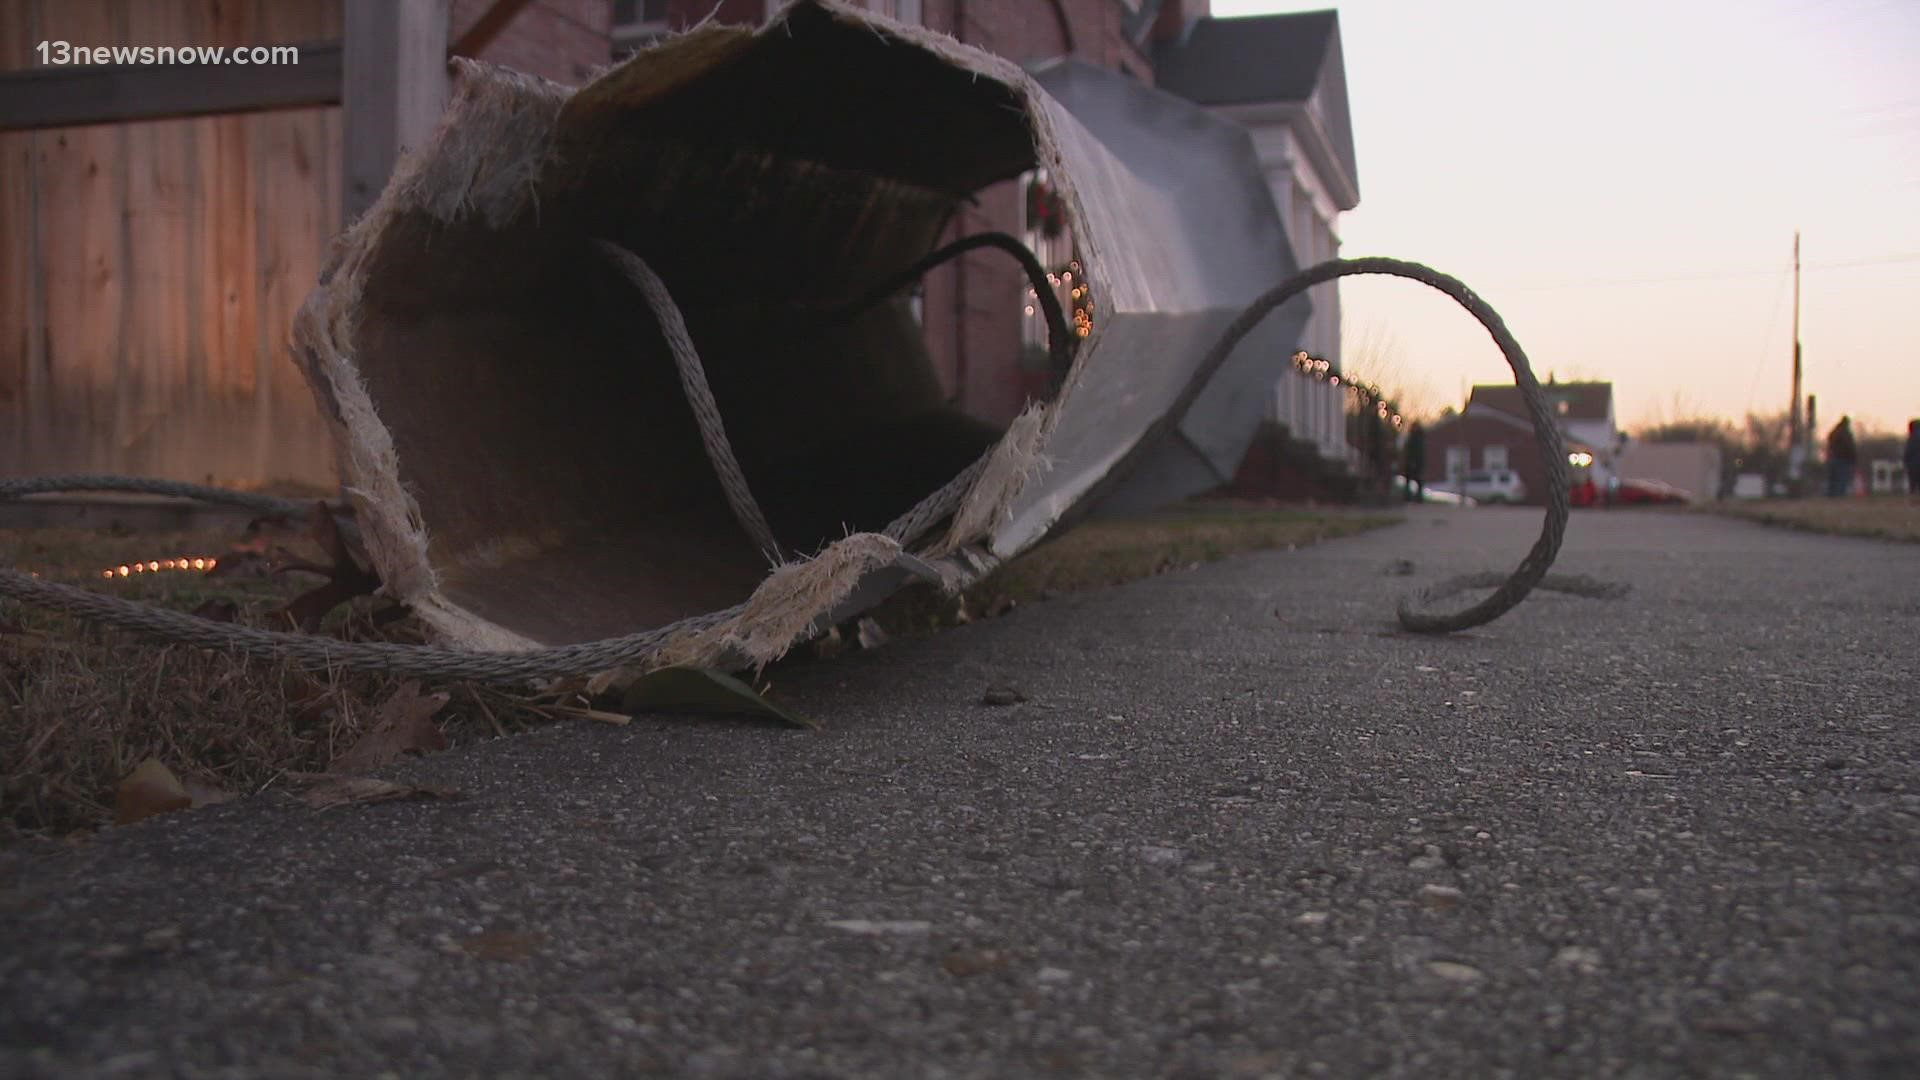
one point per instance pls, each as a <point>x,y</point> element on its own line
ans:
<point>1584,492</point>
<point>1633,492</point>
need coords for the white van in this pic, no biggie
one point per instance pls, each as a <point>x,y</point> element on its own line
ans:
<point>1494,486</point>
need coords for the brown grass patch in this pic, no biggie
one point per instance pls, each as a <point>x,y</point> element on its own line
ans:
<point>80,707</point>
<point>1884,517</point>
<point>1109,552</point>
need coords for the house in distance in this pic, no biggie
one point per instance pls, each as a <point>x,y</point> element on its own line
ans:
<point>1493,433</point>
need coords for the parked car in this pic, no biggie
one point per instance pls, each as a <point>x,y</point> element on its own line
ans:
<point>1494,486</point>
<point>1429,493</point>
<point>1648,491</point>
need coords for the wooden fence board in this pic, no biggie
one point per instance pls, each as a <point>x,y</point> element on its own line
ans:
<point>152,269</point>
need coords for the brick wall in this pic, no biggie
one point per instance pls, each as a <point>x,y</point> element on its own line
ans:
<point>1476,433</point>
<point>1273,470</point>
<point>972,306</point>
<point>684,13</point>
<point>562,40</point>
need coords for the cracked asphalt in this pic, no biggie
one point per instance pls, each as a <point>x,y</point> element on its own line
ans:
<point>1241,827</point>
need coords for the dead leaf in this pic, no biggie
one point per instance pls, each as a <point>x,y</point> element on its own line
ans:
<point>206,794</point>
<point>347,577</point>
<point>218,610</point>
<point>962,963</point>
<point>830,644</point>
<point>403,725</point>
<point>326,790</point>
<point>502,945</point>
<point>149,789</point>
<point>702,690</point>
<point>1002,696</point>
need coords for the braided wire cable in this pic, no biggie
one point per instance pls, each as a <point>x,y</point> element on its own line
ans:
<point>1059,341</point>
<point>11,489</point>
<point>314,651</point>
<point>693,382</point>
<point>1534,566</point>
<point>427,661</point>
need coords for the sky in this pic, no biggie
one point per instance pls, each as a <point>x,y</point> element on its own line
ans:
<point>1623,180</point>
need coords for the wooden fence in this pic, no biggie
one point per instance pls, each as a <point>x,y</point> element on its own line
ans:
<point>150,270</point>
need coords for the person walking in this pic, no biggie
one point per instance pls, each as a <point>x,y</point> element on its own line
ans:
<point>1911,459</point>
<point>1842,455</point>
<point>1414,463</point>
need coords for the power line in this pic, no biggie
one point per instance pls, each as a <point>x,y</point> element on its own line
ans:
<point>1719,275</point>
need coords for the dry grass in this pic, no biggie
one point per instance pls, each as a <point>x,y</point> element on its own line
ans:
<point>1885,517</point>
<point>1110,552</point>
<point>80,708</point>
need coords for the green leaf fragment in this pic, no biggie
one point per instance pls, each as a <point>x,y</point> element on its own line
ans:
<point>703,690</point>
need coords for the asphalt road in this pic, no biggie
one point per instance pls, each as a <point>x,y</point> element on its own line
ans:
<point>1240,828</point>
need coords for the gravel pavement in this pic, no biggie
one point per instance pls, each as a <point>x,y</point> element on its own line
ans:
<point>1239,828</point>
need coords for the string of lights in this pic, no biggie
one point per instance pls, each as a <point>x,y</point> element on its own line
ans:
<point>1076,292</point>
<point>1370,398</point>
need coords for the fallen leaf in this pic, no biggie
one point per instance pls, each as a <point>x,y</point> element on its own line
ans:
<point>702,690</point>
<point>1726,1025</point>
<point>502,945</point>
<point>347,578</point>
<point>881,926</point>
<point>1455,972</point>
<point>326,790</point>
<point>206,794</point>
<point>149,789</point>
<point>1001,696</point>
<point>403,725</point>
<point>830,644</point>
<point>963,963</point>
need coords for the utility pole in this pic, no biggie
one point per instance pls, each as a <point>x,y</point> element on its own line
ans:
<point>1797,440</point>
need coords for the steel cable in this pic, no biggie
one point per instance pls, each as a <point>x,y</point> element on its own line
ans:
<point>430,661</point>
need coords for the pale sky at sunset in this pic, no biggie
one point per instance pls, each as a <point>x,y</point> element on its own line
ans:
<point>1622,181</point>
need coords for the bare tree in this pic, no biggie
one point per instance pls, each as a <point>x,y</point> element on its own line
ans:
<point>1373,354</point>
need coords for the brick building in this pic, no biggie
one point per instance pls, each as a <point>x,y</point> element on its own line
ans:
<point>1287,87</point>
<point>127,395</point>
<point>972,308</point>
<point>562,40</point>
<point>1493,432</point>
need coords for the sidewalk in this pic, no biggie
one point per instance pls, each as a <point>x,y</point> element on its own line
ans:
<point>1240,827</point>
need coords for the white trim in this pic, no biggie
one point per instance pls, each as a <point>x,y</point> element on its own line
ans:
<point>639,31</point>
<point>1314,141</point>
